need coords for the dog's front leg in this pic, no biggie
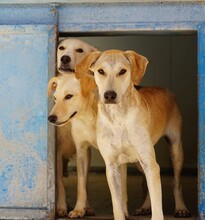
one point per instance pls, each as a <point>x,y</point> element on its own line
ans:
<point>124,188</point>
<point>145,209</point>
<point>61,195</point>
<point>83,161</point>
<point>152,174</point>
<point>115,184</point>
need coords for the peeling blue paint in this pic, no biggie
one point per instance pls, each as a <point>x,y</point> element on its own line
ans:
<point>27,48</point>
<point>6,175</point>
<point>24,52</point>
<point>31,168</point>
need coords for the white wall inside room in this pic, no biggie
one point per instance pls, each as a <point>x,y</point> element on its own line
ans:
<point>172,64</point>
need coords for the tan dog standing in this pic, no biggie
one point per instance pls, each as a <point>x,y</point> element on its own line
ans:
<point>75,103</point>
<point>131,121</point>
<point>70,52</point>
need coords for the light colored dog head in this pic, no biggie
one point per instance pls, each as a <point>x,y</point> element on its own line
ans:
<point>114,72</point>
<point>69,94</point>
<point>70,53</point>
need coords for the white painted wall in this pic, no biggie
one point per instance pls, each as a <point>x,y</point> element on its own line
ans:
<point>173,64</point>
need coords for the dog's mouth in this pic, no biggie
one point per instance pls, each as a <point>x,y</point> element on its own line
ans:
<point>110,102</point>
<point>62,123</point>
<point>66,69</point>
<point>73,115</point>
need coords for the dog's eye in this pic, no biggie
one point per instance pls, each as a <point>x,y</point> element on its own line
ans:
<point>69,96</point>
<point>79,50</point>
<point>61,48</point>
<point>122,71</point>
<point>101,71</point>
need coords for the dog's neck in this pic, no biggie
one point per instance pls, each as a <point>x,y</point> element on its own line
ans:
<point>89,109</point>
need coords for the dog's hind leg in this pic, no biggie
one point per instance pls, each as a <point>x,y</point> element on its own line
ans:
<point>177,156</point>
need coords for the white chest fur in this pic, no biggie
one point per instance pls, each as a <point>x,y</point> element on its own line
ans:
<point>119,134</point>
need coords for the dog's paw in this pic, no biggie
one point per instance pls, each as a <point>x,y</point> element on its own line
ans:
<point>76,214</point>
<point>62,213</point>
<point>182,213</point>
<point>89,211</point>
<point>142,212</point>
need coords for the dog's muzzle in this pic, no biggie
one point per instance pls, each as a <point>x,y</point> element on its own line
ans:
<point>52,118</point>
<point>65,64</point>
<point>65,59</point>
<point>110,97</point>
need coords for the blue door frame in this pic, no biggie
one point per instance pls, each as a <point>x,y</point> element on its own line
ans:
<point>27,158</point>
<point>201,123</point>
<point>148,18</point>
<point>162,17</point>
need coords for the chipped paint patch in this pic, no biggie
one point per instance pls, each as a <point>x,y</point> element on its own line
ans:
<point>23,179</point>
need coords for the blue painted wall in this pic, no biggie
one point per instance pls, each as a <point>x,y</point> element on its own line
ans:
<point>24,72</point>
<point>201,100</point>
<point>25,53</point>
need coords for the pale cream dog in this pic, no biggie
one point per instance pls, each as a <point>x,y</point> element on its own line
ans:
<point>76,103</point>
<point>70,52</point>
<point>131,121</point>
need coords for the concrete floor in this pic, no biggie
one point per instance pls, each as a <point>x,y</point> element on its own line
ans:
<point>99,195</point>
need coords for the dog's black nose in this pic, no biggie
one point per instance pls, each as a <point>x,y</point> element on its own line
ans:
<point>65,59</point>
<point>52,118</point>
<point>110,96</point>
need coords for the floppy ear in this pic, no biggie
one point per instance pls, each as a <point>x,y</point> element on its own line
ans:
<point>84,66</point>
<point>92,48</point>
<point>52,85</point>
<point>87,84</point>
<point>138,65</point>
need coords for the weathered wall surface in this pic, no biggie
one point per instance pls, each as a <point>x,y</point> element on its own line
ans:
<point>25,176</point>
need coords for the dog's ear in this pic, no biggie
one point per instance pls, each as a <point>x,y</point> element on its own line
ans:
<point>138,65</point>
<point>92,48</point>
<point>84,66</point>
<point>52,85</point>
<point>87,84</point>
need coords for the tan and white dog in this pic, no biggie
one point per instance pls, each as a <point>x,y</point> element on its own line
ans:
<point>75,103</point>
<point>131,121</point>
<point>70,52</point>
